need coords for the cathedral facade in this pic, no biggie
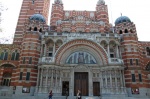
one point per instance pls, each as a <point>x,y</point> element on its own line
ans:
<point>79,50</point>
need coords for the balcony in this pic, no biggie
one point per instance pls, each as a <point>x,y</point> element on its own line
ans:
<point>116,61</point>
<point>46,60</point>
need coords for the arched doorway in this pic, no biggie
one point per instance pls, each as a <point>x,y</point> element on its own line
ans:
<point>7,74</point>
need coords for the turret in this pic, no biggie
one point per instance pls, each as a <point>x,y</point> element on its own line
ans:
<point>28,8</point>
<point>102,14</point>
<point>56,14</point>
<point>129,49</point>
<point>30,51</point>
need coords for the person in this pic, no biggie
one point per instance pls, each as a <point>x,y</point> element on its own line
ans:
<point>79,94</point>
<point>50,94</point>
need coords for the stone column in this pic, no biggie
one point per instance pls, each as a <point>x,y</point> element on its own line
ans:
<point>56,77</point>
<point>38,77</point>
<point>41,79</point>
<point>45,50</point>
<point>41,53</point>
<point>46,87</point>
<point>52,79</point>
<point>110,82</point>
<point>71,83</point>
<point>117,51</point>
<point>108,50</point>
<point>121,79</point>
<point>101,82</point>
<point>90,84</point>
<point>106,81</point>
<point>54,49</point>
<point>116,80</point>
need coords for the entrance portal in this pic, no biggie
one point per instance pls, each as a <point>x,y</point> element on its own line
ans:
<point>81,83</point>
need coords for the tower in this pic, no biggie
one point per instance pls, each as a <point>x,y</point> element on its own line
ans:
<point>102,14</point>
<point>28,8</point>
<point>130,53</point>
<point>57,13</point>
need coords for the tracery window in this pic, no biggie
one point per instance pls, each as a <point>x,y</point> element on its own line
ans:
<point>15,55</point>
<point>4,55</point>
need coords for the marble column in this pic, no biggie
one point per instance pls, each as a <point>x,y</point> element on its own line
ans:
<point>116,81</point>
<point>41,80</point>
<point>56,78</point>
<point>108,50</point>
<point>54,49</point>
<point>38,77</point>
<point>110,82</point>
<point>101,82</point>
<point>117,51</point>
<point>106,81</point>
<point>46,87</point>
<point>45,50</point>
<point>52,79</point>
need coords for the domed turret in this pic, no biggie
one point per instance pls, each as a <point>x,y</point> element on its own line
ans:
<point>100,2</point>
<point>38,17</point>
<point>122,19</point>
<point>58,2</point>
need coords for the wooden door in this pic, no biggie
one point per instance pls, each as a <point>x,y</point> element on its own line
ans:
<point>81,83</point>
<point>96,88</point>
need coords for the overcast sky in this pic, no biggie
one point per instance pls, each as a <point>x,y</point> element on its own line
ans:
<point>137,10</point>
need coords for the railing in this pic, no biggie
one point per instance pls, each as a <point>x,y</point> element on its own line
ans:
<point>46,60</point>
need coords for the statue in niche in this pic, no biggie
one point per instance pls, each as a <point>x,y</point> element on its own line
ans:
<point>81,58</point>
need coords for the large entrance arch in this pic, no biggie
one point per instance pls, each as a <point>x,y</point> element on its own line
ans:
<point>81,45</point>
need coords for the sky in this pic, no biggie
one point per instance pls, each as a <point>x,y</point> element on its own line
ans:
<point>137,10</point>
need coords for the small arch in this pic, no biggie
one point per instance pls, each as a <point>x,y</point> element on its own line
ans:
<point>125,31</point>
<point>35,29</point>
<point>30,29</point>
<point>148,51</point>
<point>40,30</point>
<point>120,32</point>
<point>148,67</point>
<point>131,31</point>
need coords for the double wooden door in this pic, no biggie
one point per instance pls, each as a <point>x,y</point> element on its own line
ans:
<point>81,83</point>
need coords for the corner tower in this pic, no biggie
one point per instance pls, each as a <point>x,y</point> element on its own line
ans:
<point>28,8</point>
<point>102,13</point>
<point>56,13</point>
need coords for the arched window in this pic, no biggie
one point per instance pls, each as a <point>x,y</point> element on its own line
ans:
<point>30,29</point>
<point>15,55</point>
<point>120,32</point>
<point>126,31</point>
<point>131,31</point>
<point>148,51</point>
<point>40,30</point>
<point>148,67</point>
<point>4,55</point>
<point>35,29</point>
